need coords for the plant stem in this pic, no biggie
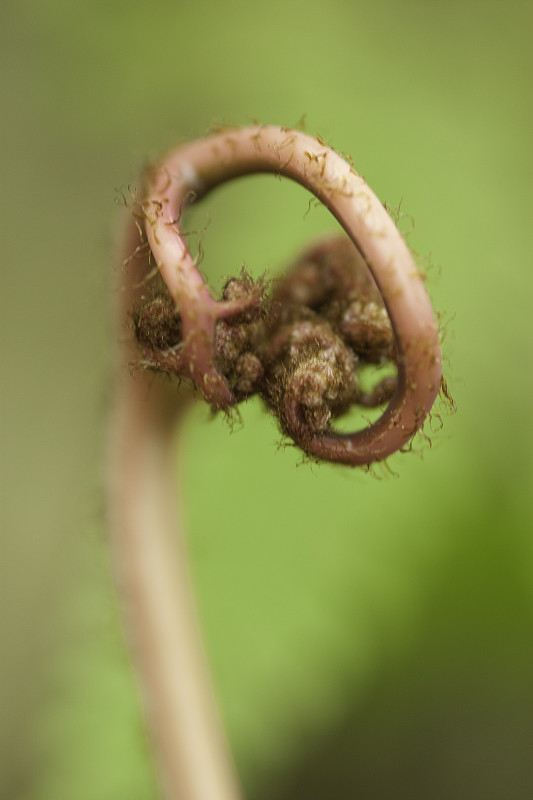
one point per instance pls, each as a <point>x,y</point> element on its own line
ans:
<point>153,582</point>
<point>149,560</point>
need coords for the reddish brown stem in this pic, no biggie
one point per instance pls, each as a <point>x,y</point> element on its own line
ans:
<point>150,563</point>
<point>152,576</point>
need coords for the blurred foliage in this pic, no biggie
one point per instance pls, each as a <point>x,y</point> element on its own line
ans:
<point>370,636</point>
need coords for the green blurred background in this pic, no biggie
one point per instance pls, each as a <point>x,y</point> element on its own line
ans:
<point>370,637</point>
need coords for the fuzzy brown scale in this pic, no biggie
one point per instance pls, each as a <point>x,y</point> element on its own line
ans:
<point>365,325</point>
<point>307,358</point>
<point>158,330</point>
<point>157,323</point>
<point>304,341</point>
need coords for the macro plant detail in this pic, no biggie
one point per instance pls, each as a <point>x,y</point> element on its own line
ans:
<point>347,302</point>
<point>300,342</point>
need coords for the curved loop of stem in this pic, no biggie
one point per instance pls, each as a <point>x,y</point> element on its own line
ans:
<point>198,167</point>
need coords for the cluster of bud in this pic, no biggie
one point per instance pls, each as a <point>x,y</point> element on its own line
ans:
<point>301,343</point>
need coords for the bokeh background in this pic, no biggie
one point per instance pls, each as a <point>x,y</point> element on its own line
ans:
<point>370,635</point>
